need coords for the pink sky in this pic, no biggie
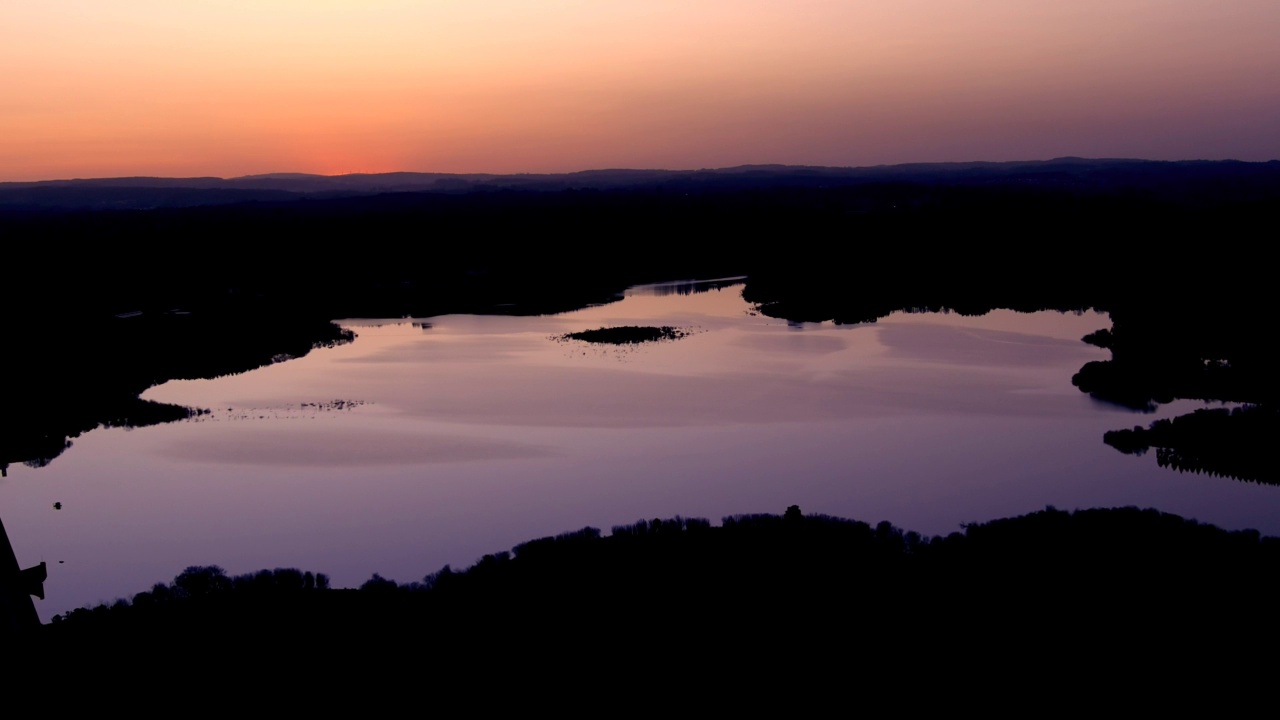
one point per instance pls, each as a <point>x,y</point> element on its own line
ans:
<point>235,87</point>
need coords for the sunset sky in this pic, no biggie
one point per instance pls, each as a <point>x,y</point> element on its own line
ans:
<point>97,88</point>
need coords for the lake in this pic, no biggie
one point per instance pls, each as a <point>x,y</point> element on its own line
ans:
<point>433,441</point>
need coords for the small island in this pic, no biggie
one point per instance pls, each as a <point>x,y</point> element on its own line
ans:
<point>627,334</point>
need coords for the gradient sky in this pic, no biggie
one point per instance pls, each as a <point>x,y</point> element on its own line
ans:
<point>97,88</point>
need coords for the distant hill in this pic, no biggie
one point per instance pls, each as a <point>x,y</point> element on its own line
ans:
<point>1104,175</point>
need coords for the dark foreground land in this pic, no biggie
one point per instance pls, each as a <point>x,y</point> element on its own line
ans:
<point>1078,601</point>
<point>118,287</point>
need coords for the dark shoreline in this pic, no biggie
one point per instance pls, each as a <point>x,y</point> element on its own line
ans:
<point>767,589</point>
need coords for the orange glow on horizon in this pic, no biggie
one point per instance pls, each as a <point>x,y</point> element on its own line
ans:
<point>141,87</point>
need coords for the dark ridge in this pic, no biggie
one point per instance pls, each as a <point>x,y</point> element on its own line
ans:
<point>1183,180</point>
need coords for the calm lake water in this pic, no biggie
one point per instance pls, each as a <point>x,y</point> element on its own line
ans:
<point>432,442</point>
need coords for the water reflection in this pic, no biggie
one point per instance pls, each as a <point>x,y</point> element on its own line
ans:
<point>465,434</point>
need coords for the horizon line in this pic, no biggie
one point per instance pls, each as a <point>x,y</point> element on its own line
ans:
<point>290,174</point>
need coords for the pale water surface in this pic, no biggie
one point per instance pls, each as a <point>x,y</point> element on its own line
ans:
<point>435,441</point>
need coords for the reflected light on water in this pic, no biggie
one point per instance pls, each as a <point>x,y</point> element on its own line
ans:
<point>428,442</point>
